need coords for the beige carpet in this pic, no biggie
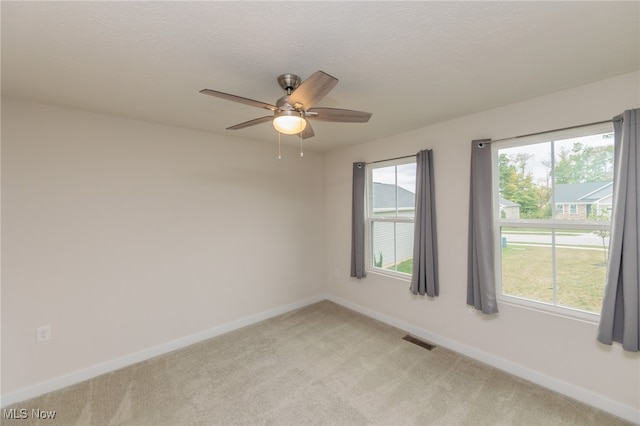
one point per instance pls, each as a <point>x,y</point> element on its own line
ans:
<point>320,365</point>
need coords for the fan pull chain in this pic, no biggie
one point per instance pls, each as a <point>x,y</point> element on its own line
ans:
<point>301,153</point>
<point>300,134</point>
<point>279,151</point>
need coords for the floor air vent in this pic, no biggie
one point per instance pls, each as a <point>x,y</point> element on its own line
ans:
<point>422,344</point>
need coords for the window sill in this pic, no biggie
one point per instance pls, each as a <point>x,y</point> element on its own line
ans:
<point>390,274</point>
<point>574,314</point>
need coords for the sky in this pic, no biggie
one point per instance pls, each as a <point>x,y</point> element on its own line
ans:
<point>406,175</point>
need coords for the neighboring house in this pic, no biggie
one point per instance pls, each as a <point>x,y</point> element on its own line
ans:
<point>509,209</point>
<point>579,201</point>
<point>384,203</point>
<point>384,199</point>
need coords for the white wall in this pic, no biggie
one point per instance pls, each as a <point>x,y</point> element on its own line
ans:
<point>555,351</point>
<point>125,235</point>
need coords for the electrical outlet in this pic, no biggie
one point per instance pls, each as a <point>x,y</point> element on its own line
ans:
<point>43,333</point>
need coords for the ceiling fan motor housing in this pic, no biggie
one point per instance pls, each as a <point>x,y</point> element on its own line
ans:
<point>284,105</point>
<point>289,82</point>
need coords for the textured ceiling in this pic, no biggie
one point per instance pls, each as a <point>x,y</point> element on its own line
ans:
<point>409,63</point>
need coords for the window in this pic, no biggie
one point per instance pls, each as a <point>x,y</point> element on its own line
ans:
<point>390,216</point>
<point>552,251</point>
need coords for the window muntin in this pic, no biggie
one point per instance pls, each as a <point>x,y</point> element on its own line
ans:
<point>390,216</point>
<point>552,246</point>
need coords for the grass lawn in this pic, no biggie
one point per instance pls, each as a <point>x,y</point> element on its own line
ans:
<point>406,266</point>
<point>527,272</point>
<point>581,274</point>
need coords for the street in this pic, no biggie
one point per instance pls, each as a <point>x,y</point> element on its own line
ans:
<point>587,239</point>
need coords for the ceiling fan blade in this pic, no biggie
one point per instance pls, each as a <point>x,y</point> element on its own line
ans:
<point>251,123</point>
<point>239,99</point>
<point>308,131</point>
<point>312,89</point>
<point>338,115</point>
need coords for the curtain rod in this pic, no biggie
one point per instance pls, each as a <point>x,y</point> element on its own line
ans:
<point>390,159</point>
<point>554,130</point>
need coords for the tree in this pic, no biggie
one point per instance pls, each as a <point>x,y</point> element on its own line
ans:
<point>516,184</point>
<point>603,216</point>
<point>584,163</point>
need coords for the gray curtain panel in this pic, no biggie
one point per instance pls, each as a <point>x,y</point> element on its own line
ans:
<point>481,283</point>
<point>425,246</point>
<point>620,316</point>
<point>357,222</point>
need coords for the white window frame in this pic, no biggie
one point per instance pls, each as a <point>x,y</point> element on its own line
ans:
<point>559,208</point>
<point>551,308</point>
<point>392,219</point>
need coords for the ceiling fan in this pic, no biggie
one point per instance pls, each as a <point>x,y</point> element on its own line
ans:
<point>292,112</point>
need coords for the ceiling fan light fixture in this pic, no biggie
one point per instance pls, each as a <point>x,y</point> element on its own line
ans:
<point>289,122</point>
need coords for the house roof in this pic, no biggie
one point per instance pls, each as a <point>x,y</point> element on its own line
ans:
<point>432,62</point>
<point>506,203</point>
<point>583,193</point>
<point>384,196</point>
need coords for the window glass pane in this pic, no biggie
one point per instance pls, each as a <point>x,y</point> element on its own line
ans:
<point>566,180</point>
<point>527,263</point>
<point>384,191</point>
<point>525,181</point>
<point>382,244</point>
<point>581,268</point>
<point>391,211</point>
<point>393,190</point>
<point>406,174</point>
<point>392,246</point>
<point>584,177</point>
<point>404,248</point>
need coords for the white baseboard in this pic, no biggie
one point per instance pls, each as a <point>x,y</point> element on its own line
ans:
<point>106,367</point>
<point>572,391</point>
